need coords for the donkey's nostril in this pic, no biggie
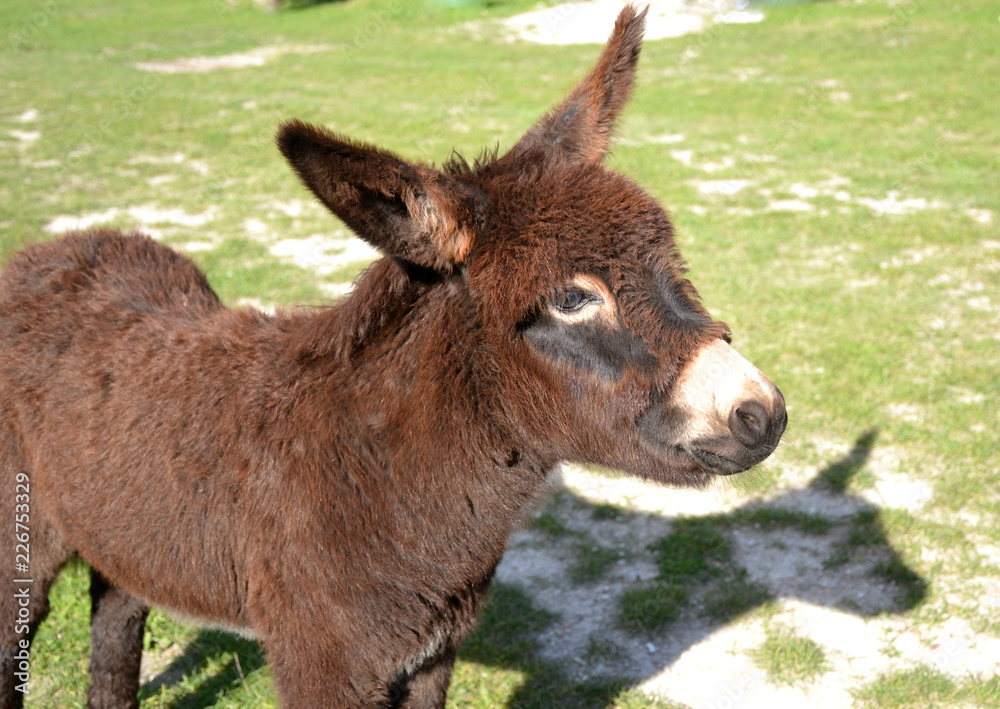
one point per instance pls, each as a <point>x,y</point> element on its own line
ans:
<point>749,424</point>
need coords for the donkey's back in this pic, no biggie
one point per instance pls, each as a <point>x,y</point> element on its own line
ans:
<point>100,274</point>
<point>77,316</point>
<point>120,374</point>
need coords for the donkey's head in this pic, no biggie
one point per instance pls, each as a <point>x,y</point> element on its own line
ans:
<point>586,321</point>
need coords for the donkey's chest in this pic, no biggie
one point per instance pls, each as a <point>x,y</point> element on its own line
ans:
<point>434,647</point>
<point>446,629</point>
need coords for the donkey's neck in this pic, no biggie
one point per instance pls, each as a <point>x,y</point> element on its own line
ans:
<point>444,415</point>
<point>443,445</point>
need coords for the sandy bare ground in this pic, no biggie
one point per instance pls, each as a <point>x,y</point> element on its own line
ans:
<point>239,60</point>
<point>588,22</point>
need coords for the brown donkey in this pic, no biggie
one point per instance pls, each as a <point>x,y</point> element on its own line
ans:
<point>340,483</point>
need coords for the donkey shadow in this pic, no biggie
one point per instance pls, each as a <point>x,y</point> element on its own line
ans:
<point>237,658</point>
<point>581,594</point>
<point>596,625</point>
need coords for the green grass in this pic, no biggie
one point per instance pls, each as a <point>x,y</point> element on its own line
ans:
<point>602,650</point>
<point>868,322</point>
<point>243,264</point>
<point>592,562</point>
<point>695,563</point>
<point>501,666</point>
<point>548,522</point>
<point>696,549</point>
<point>644,609</point>
<point>605,512</point>
<point>926,688</point>
<point>734,595</point>
<point>772,518</point>
<point>790,659</point>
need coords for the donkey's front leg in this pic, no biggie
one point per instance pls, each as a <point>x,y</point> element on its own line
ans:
<point>313,670</point>
<point>117,621</point>
<point>429,687</point>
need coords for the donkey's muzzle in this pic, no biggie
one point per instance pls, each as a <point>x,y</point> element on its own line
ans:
<point>755,428</point>
<point>723,413</point>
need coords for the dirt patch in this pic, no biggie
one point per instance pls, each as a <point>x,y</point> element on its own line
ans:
<point>983,216</point>
<point>323,255</point>
<point>893,203</point>
<point>803,195</point>
<point>241,60</point>
<point>28,116</point>
<point>199,166</point>
<point>146,215</point>
<point>590,22</point>
<point>789,205</point>
<point>25,137</point>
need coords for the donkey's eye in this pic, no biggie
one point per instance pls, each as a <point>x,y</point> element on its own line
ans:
<point>574,300</point>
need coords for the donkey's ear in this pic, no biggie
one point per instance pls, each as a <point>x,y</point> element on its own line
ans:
<point>402,209</point>
<point>581,127</point>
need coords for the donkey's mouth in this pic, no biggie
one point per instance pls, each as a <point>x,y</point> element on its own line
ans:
<point>724,455</point>
<point>717,463</point>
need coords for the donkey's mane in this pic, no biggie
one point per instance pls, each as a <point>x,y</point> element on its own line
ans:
<point>382,294</point>
<point>458,166</point>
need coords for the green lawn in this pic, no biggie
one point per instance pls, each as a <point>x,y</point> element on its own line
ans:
<point>834,175</point>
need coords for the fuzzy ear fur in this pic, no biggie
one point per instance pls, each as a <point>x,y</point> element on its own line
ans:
<point>581,127</point>
<point>403,209</point>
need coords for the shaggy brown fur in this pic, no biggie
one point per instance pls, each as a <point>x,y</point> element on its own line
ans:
<point>341,482</point>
